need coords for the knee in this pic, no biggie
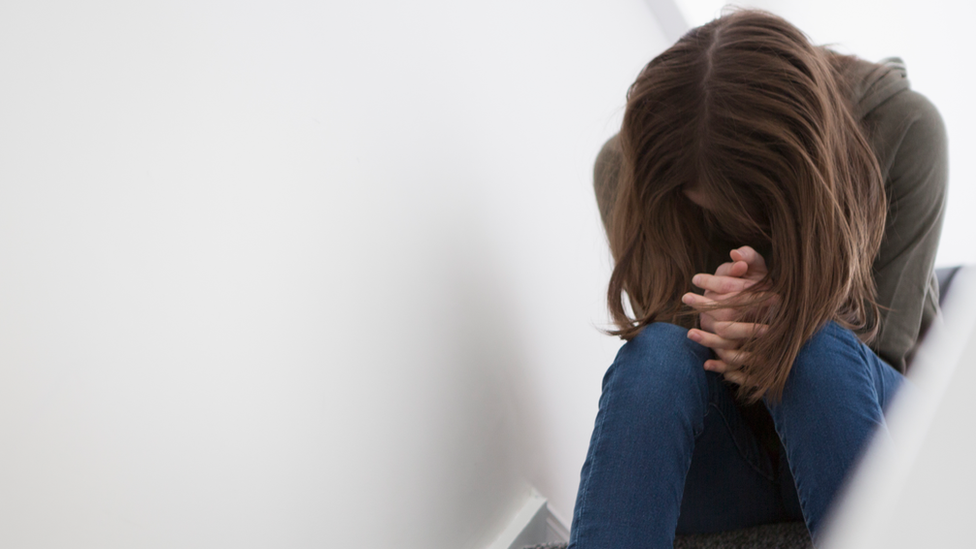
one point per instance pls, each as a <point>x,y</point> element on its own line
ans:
<point>832,354</point>
<point>832,370</point>
<point>659,358</point>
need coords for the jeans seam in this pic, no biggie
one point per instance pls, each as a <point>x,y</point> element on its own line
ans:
<point>796,485</point>
<point>735,441</point>
<point>698,431</point>
<point>884,391</point>
<point>598,429</point>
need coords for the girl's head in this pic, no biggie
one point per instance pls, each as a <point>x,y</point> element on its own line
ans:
<point>742,133</point>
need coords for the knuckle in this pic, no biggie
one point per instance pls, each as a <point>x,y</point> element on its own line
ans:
<point>722,328</point>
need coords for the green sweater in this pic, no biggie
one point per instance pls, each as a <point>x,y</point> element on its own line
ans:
<point>909,139</point>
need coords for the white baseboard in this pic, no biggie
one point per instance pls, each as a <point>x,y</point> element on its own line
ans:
<point>556,529</point>
<point>534,524</point>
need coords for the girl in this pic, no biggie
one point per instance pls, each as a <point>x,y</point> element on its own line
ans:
<point>773,209</point>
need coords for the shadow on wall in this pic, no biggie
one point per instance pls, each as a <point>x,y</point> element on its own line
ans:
<point>442,424</point>
<point>493,423</point>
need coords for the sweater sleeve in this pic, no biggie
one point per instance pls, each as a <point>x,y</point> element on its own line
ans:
<point>909,137</point>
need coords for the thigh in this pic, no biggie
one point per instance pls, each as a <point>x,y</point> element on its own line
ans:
<point>831,406</point>
<point>735,481</point>
<point>654,399</point>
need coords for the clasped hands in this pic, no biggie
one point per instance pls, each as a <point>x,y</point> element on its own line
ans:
<point>722,329</point>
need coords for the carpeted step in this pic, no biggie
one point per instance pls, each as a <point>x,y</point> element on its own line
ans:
<point>787,535</point>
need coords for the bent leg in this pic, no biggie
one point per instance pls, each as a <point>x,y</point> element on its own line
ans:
<point>735,480</point>
<point>832,405</point>
<point>653,405</point>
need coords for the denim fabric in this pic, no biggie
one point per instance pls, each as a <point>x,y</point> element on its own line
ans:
<point>671,451</point>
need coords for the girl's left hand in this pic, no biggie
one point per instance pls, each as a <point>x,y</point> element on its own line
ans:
<point>727,337</point>
<point>724,336</point>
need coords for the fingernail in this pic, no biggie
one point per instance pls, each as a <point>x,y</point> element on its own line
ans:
<point>696,280</point>
<point>686,299</point>
<point>694,336</point>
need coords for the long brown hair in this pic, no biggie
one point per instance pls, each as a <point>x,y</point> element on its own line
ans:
<point>748,111</point>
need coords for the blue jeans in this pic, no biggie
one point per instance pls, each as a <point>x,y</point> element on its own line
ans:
<point>671,451</point>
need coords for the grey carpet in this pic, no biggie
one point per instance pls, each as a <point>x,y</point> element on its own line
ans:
<point>787,535</point>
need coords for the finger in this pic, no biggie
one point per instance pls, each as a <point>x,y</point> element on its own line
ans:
<point>739,268</point>
<point>707,321</point>
<point>721,284</point>
<point>717,366</point>
<point>697,301</point>
<point>712,340</point>
<point>739,330</point>
<point>707,305</point>
<point>724,269</point>
<point>750,256</point>
<point>756,302</point>
<point>734,358</point>
<point>732,268</point>
<point>725,314</point>
<point>737,377</point>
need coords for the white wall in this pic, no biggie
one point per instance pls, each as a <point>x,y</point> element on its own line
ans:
<point>300,274</point>
<point>935,40</point>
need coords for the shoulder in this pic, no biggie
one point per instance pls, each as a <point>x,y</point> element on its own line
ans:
<point>606,171</point>
<point>904,128</point>
<point>910,141</point>
<point>882,88</point>
<point>609,156</point>
<point>906,119</point>
<point>869,84</point>
<point>910,138</point>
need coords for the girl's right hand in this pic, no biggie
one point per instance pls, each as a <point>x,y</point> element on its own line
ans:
<point>746,269</point>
